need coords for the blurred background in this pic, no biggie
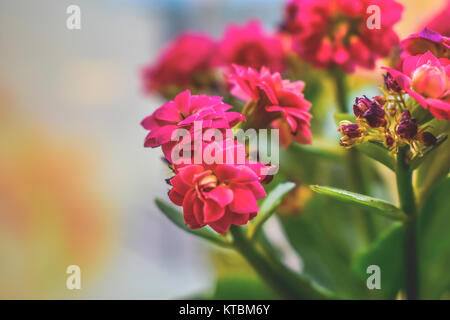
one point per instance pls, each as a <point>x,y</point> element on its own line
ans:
<point>76,184</point>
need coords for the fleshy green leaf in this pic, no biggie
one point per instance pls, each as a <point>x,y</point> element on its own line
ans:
<point>325,238</point>
<point>268,206</point>
<point>176,217</point>
<point>434,250</point>
<point>377,152</point>
<point>434,244</point>
<point>387,253</point>
<point>383,207</point>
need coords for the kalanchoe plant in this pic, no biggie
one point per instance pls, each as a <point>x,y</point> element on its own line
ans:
<point>336,232</point>
<point>334,33</point>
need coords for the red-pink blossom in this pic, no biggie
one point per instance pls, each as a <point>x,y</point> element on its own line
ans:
<point>331,33</point>
<point>273,101</point>
<point>426,79</point>
<point>251,46</point>
<point>218,195</point>
<point>180,64</point>
<point>182,112</point>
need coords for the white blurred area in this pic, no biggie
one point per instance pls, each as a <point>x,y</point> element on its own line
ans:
<point>83,87</point>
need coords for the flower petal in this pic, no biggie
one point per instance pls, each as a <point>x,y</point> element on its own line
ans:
<point>226,172</point>
<point>438,108</point>
<point>244,201</point>
<point>212,211</point>
<point>188,173</point>
<point>222,195</point>
<point>222,225</point>
<point>175,197</point>
<point>188,210</point>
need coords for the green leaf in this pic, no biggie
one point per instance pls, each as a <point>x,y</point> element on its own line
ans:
<point>176,217</point>
<point>340,116</point>
<point>377,152</point>
<point>434,250</point>
<point>325,238</point>
<point>268,206</point>
<point>434,244</point>
<point>383,207</point>
<point>387,253</point>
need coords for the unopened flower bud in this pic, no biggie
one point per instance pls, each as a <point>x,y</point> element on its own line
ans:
<point>375,116</point>
<point>428,139</point>
<point>391,84</point>
<point>430,81</point>
<point>407,127</point>
<point>361,105</point>
<point>352,130</point>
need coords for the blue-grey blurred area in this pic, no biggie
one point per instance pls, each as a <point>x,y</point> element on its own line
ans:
<point>72,99</point>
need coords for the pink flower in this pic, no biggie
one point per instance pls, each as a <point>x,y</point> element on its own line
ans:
<point>427,40</point>
<point>250,46</point>
<point>218,195</point>
<point>331,33</point>
<point>181,113</point>
<point>426,79</point>
<point>180,64</point>
<point>275,102</point>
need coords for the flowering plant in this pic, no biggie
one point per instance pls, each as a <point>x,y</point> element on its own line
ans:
<point>367,216</point>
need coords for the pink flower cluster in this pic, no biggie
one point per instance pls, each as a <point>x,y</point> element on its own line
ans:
<point>331,33</point>
<point>190,60</point>
<point>217,195</point>
<point>275,102</point>
<point>250,46</point>
<point>327,33</point>
<point>182,112</point>
<point>181,64</point>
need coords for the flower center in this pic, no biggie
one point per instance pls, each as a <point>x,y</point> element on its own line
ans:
<point>207,183</point>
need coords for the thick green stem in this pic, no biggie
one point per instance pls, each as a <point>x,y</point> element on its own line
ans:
<point>408,205</point>
<point>287,283</point>
<point>353,161</point>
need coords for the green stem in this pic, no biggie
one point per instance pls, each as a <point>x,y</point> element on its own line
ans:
<point>287,283</point>
<point>353,159</point>
<point>408,205</point>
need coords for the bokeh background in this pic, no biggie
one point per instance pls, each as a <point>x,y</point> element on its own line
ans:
<point>76,184</point>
